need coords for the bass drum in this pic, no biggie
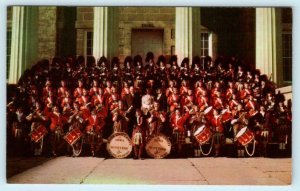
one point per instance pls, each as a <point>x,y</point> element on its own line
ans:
<point>119,145</point>
<point>158,146</point>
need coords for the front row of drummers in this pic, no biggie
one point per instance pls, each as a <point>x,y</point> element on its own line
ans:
<point>206,130</point>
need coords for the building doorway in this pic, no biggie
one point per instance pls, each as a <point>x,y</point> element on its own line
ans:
<point>145,40</point>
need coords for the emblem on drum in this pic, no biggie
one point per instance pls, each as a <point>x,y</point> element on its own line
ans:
<point>158,146</point>
<point>119,145</point>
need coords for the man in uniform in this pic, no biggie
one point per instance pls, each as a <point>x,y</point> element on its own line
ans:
<point>177,122</point>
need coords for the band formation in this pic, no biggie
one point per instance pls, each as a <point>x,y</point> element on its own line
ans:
<point>76,104</point>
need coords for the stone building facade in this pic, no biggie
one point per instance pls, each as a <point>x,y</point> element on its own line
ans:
<point>63,31</point>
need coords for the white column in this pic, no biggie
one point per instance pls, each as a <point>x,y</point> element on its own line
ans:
<point>269,42</point>
<point>187,32</point>
<point>105,40</point>
<point>23,41</point>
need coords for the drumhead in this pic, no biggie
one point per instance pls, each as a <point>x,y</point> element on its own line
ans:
<point>207,110</point>
<point>158,146</point>
<point>200,129</point>
<point>241,132</point>
<point>119,145</point>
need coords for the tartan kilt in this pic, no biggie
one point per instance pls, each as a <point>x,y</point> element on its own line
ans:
<point>179,137</point>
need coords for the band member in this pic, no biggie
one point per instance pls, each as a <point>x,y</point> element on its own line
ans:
<point>94,89</point>
<point>230,91</point>
<point>264,122</point>
<point>61,92</point>
<point>19,130</point>
<point>184,88</point>
<point>66,102</point>
<point>128,71</point>
<point>245,93</point>
<point>218,132</point>
<point>229,74</point>
<point>185,70</point>
<point>50,100</point>
<point>103,69</point>
<point>99,98</point>
<point>240,75</point>
<point>162,72</point>
<point>78,92</point>
<point>188,100</point>
<point>84,99</point>
<point>48,88</point>
<point>147,102</point>
<point>150,68</point>
<point>138,135</point>
<point>196,70</point>
<point>177,122</point>
<point>76,121</point>
<point>174,100</point>
<point>233,102</point>
<point>196,121</point>
<point>218,102</point>
<point>115,71</point>
<point>125,90</point>
<point>170,89</point>
<point>161,98</point>
<point>139,69</point>
<point>283,125</point>
<point>199,88</point>
<point>119,118</point>
<point>251,104</point>
<point>56,127</point>
<point>94,131</point>
<point>174,69</point>
<point>113,102</point>
<point>37,118</point>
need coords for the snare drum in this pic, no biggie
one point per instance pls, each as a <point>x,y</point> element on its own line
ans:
<point>208,112</point>
<point>38,133</point>
<point>73,135</point>
<point>245,136</point>
<point>203,134</point>
<point>119,145</point>
<point>158,146</point>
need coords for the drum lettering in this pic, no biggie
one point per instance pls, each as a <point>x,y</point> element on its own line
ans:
<point>119,147</point>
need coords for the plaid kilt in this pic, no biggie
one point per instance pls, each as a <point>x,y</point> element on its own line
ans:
<point>179,137</point>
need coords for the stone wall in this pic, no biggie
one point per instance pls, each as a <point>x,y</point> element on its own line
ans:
<point>84,23</point>
<point>47,32</point>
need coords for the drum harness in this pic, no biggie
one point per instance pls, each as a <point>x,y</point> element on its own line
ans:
<point>253,149</point>
<point>210,149</point>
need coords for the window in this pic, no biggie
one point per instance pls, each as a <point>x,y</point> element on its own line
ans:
<point>287,56</point>
<point>89,43</point>
<point>8,46</point>
<point>204,44</point>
